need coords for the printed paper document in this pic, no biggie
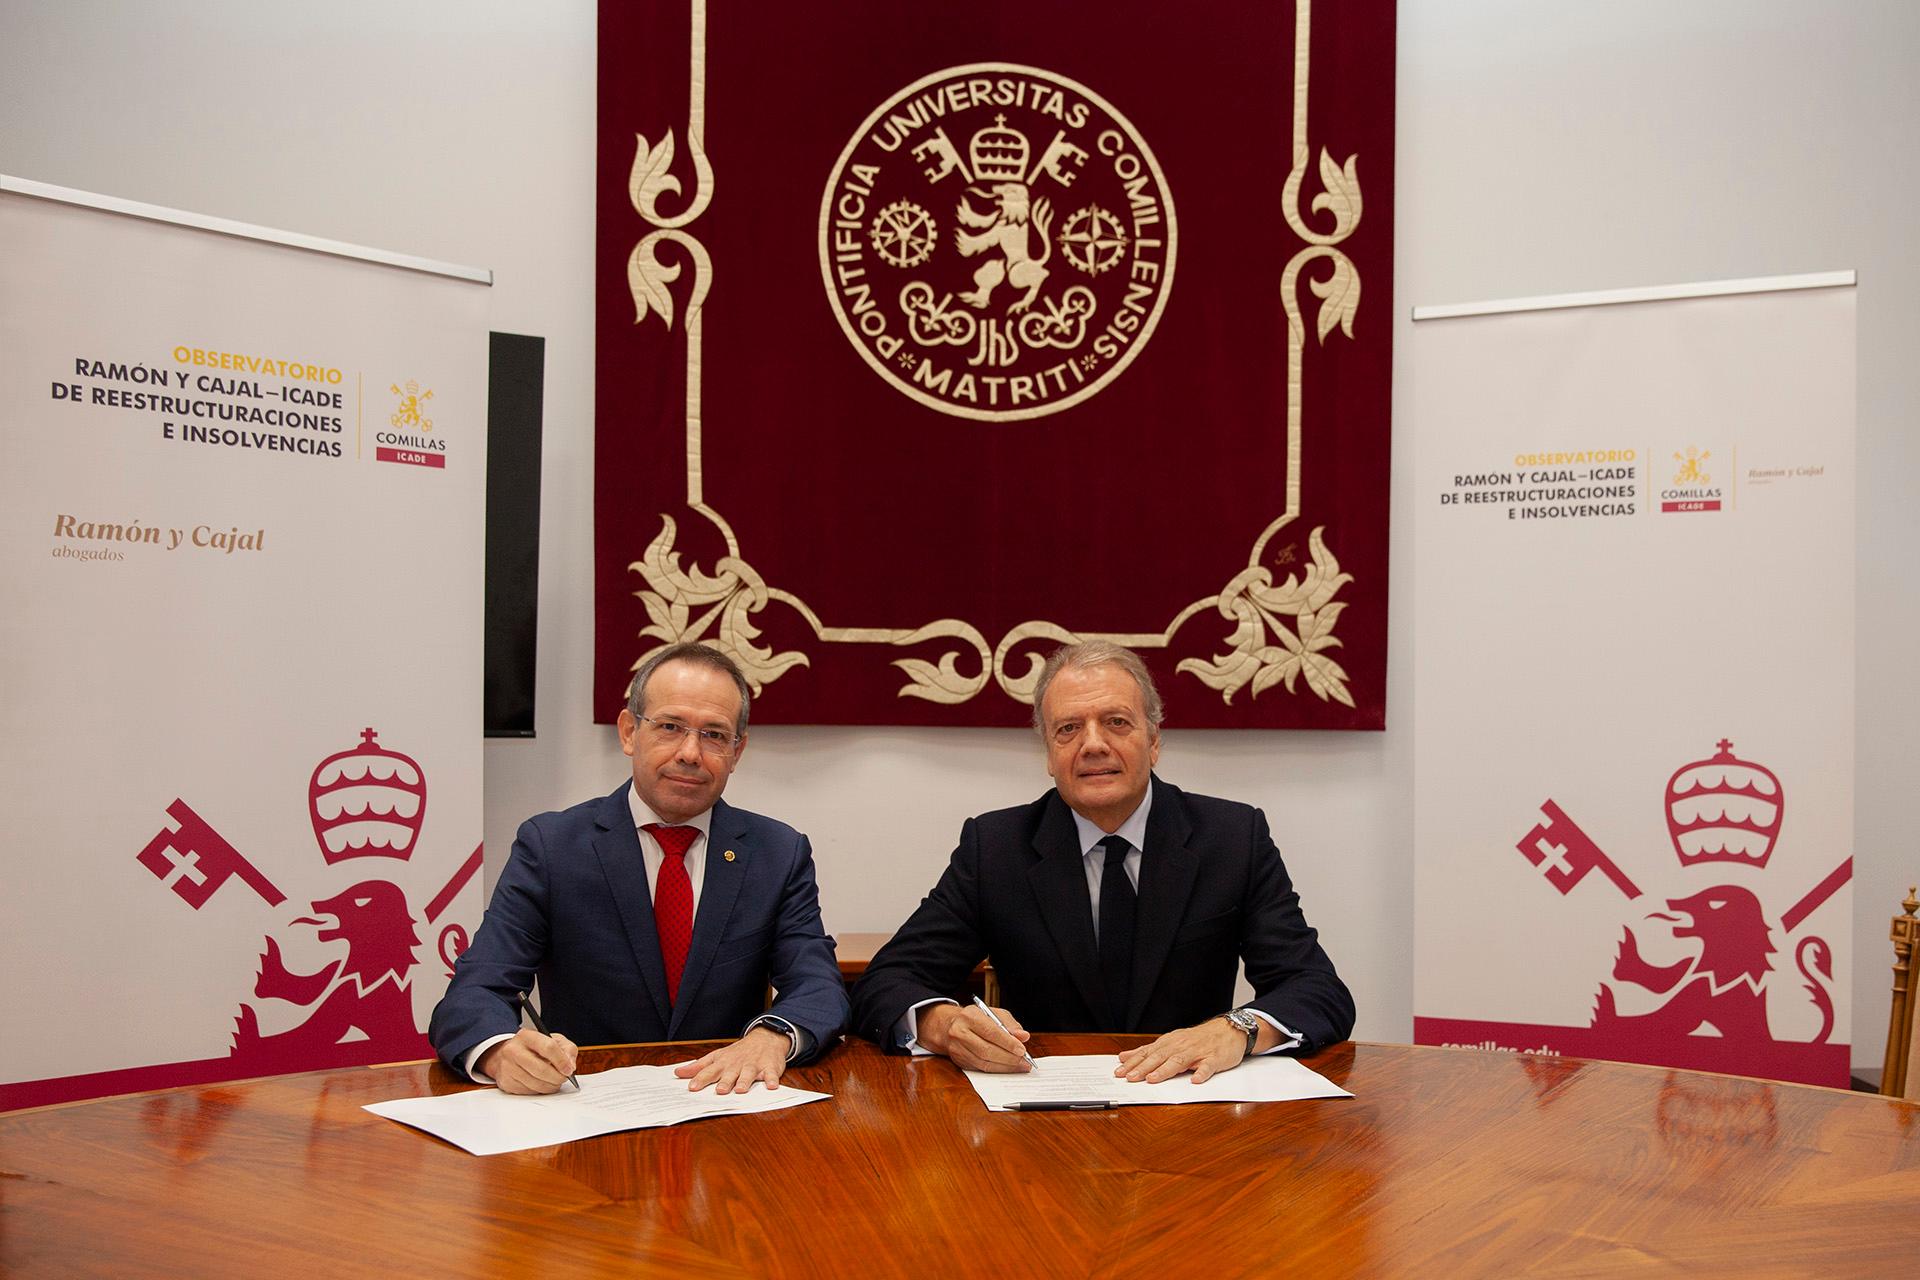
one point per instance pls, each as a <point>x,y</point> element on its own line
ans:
<point>1090,1078</point>
<point>488,1122</point>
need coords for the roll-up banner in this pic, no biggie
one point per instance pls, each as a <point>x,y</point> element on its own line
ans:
<point>241,550</point>
<point>1634,675</point>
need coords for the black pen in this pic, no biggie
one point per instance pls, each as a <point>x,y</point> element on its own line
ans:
<point>1103,1105</point>
<point>533,1016</point>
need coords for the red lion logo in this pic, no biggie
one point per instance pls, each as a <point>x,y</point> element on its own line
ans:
<point>1723,986</point>
<point>365,802</point>
<point>365,997</point>
<point>1710,1000</point>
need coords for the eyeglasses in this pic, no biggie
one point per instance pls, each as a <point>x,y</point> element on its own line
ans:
<point>1112,726</point>
<point>714,742</point>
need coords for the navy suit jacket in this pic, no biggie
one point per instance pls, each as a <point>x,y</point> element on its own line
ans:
<point>572,908</point>
<point>1212,892</point>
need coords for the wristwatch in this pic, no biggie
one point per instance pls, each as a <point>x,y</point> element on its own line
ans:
<point>1246,1022</point>
<point>787,1029</point>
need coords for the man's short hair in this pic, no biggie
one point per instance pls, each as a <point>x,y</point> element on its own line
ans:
<point>1097,653</point>
<point>704,655</point>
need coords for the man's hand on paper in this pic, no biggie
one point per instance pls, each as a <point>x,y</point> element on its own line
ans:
<point>967,1035</point>
<point>529,1063</point>
<point>761,1054</point>
<point>1214,1046</point>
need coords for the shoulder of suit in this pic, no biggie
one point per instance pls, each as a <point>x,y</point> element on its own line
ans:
<point>1025,816</point>
<point>730,820</point>
<point>597,809</point>
<point>1199,807</point>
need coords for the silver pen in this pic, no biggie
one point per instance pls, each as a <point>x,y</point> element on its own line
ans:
<point>1003,1026</point>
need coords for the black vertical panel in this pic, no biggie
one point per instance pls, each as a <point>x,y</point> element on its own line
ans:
<point>516,379</point>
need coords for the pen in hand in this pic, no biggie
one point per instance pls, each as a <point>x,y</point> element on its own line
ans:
<point>533,1016</point>
<point>984,1008</point>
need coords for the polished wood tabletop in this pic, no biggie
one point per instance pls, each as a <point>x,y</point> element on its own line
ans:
<point>1446,1162</point>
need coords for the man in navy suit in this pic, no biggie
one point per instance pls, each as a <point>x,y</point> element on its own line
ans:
<point>659,912</point>
<point>1116,902</point>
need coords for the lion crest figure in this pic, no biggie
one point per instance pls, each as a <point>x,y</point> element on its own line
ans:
<point>1723,987</point>
<point>364,997</point>
<point>1004,227</point>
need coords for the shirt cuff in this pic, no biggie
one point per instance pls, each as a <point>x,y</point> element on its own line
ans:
<point>467,1064</point>
<point>799,1039</point>
<point>1289,1038</point>
<point>906,1032</point>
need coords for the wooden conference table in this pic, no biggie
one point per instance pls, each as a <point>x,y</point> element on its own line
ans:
<point>1446,1162</point>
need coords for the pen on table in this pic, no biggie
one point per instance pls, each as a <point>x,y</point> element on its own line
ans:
<point>1107,1104</point>
<point>1003,1026</point>
<point>533,1016</point>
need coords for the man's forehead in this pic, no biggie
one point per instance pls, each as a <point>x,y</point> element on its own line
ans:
<point>699,714</point>
<point>1081,691</point>
<point>692,690</point>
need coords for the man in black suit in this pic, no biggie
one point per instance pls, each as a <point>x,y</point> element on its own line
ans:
<point>1114,903</point>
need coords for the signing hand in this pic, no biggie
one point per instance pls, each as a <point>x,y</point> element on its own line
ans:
<point>967,1036</point>
<point>529,1063</point>
<point>1214,1046</point>
<point>761,1054</point>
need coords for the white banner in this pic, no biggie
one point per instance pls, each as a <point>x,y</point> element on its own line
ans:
<point>242,560</point>
<point>1634,677</point>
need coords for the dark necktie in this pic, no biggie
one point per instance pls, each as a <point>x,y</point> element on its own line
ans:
<point>673,901</point>
<point>1116,931</point>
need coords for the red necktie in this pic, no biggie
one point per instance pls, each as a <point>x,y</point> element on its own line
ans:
<point>673,901</point>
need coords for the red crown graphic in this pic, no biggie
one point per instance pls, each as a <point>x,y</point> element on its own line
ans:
<point>368,802</point>
<point>1724,810</point>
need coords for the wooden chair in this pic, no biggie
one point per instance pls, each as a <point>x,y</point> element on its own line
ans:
<point>1901,1076</point>
<point>1913,1055</point>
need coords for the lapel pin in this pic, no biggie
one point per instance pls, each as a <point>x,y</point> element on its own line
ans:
<point>728,855</point>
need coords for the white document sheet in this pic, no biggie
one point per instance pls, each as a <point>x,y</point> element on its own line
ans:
<point>1089,1078</point>
<point>488,1122</point>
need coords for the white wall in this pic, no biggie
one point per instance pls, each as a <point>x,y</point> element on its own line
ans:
<point>1543,148</point>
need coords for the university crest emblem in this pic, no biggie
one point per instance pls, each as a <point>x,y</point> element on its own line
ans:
<point>997,241</point>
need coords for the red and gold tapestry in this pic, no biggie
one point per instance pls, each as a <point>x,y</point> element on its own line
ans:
<point>932,336</point>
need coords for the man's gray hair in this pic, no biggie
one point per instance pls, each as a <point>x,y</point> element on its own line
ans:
<point>704,655</point>
<point>1097,653</point>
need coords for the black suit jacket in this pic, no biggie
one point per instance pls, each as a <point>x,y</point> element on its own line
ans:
<point>572,907</point>
<point>1212,891</point>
